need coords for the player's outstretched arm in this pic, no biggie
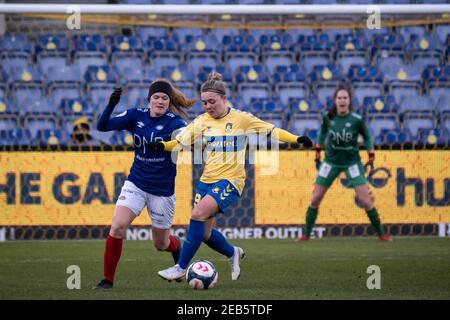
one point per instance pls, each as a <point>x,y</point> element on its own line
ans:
<point>105,122</point>
<point>285,136</point>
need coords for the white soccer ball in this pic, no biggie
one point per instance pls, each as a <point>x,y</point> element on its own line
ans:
<point>201,274</point>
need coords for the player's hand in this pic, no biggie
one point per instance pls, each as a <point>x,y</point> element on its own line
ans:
<point>305,141</point>
<point>155,146</point>
<point>114,98</point>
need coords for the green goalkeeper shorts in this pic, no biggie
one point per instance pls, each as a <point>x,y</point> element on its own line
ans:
<point>328,172</point>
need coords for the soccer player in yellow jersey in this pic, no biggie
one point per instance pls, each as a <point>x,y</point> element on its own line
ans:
<point>223,131</point>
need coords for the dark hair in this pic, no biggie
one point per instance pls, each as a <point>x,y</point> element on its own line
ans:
<point>333,110</point>
<point>214,84</point>
<point>178,101</point>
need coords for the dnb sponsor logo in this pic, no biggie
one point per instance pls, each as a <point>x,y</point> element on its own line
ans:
<point>235,233</point>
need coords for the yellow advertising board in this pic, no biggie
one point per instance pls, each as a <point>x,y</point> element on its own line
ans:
<point>408,186</point>
<point>73,188</point>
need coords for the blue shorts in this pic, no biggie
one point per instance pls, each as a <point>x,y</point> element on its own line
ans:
<point>222,191</point>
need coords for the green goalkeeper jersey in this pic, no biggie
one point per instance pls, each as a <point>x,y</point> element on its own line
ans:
<point>341,134</point>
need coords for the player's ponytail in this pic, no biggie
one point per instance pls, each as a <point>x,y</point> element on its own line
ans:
<point>333,110</point>
<point>214,84</point>
<point>179,103</point>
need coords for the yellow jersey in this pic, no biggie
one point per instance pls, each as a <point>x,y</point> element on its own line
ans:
<point>224,141</point>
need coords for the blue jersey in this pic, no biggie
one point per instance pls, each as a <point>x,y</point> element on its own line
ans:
<point>154,172</point>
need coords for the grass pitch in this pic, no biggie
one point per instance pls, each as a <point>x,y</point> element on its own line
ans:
<point>411,268</point>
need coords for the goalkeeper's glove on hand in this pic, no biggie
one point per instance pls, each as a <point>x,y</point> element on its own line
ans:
<point>317,157</point>
<point>305,141</point>
<point>114,98</point>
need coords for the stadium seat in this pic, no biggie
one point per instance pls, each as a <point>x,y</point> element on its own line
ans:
<point>291,73</point>
<point>288,90</point>
<point>181,73</point>
<point>347,58</point>
<point>367,89</point>
<point>203,43</point>
<point>144,32</point>
<point>196,60</point>
<point>52,43</point>
<point>310,59</point>
<point>126,44</point>
<point>404,89</point>
<point>15,59</point>
<point>16,43</point>
<point>417,104</point>
<point>300,122</point>
<point>76,108</point>
<point>395,136</point>
<point>124,61</point>
<point>161,59</point>
<point>99,93</point>
<point>24,92</point>
<point>423,60</point>
<point>65,74</point>
<point>234,60</point>
<point>274,104</point>
<point>380,105</point>
<point>253,90</point>
<point>185,34</point>
<point>36,122</point>
<point>101,74</point>
<point>252,73</point>
<point>434,136</point>
<point>273,59</point>
<point>58,92</point>
<point>407,31</point>
<point>377,122</point>
<point>415,121</point>
<point>305,106</point>
<point>442,32</point>
<point>89,42</point>
<point>50,59</point>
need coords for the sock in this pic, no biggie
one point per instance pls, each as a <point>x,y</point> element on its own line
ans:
<point>219,243</point>
<point>174,244</point>
<point>311,216</point>
<point>375,220</point>
<point>193,240</point>
<point>113,250</point>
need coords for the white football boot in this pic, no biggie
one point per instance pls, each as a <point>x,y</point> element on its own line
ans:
<point>234,262</point>
<point>172,273</point>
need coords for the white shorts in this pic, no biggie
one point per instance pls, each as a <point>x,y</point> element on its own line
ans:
<point>160,209</point>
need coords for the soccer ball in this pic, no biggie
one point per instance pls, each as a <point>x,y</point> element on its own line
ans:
<point>201,274</point>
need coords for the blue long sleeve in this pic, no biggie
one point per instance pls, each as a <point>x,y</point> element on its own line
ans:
<point>106,123</point>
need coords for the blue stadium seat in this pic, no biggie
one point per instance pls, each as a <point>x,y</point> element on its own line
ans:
<point>14,59</point>
<point>417,104</point>
<point>121,138</point>
<point>426,43</point>
<point>137,94</point>
<point>377,122</point>
<point>102,74</point>
<point>425,59</point>
<point>161,59</point>
<point>17,137</point>
<point>404,89</point>
<point>280,41</point>
<point>227,76</point>
<point>196,60</point>
<point>316,42</point>
<point>51,137</point>
<point>402,73</point>
<point>254,90</point>
<point>310,59</point>
<point>291,73</point>
<point>347,58</point>
<point>65,74</point>
<point>352,42</point>
<point>326,73</point>
<point>51,43</point>
<point>445,120</point>
<point>9,121</point>
<point>99,93</point>
<point>123,61</point>
<point>60,91</point>
<point>240,43</point>
<point>84,59</point>
<point>77,108</point>
<point>305,106</point>
<point>185,34</point>
<point>234,60</point>
<point>89,42</point>
<point>23,93</point>
<point>130,75</point>
<point>434,136</point>
<point>278,119</point>
<point>204,43</point>
<point>274,59</point>
<point>334,33</point>
<point>324,90</point>
<point>36,122</point>
<point>8,107</point>
<point>288,90</point>
<point>181,73</point>
<point>252,73</point>
<point>273,104</point>
<point>380,105</point>
<point>25,75</point>
<point>16,42</point>
<point>415,121</point>
<point>362,90</point>
<point>388,136</point>
<point>441,96</point>
<point>145,32</point>
<point>407,31</point>
<point>220,34</point>
<point>37,105</point>
<point>50,59</point>
<point>300,122</point>
<point>126,44</point>
<point>365,74</point>
<point>162,44</point>
<point>442,32</point>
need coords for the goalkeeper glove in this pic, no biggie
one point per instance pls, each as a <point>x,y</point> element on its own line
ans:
<point>371,160</point>
<point>317,157</point>
<point>114,98</point>
<point>305,141</point>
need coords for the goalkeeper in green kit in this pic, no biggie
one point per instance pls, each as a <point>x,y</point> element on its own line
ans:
<point>340,126</point>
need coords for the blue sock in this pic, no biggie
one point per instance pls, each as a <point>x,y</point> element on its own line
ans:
<point>192,242</point>
<point>220,244</point>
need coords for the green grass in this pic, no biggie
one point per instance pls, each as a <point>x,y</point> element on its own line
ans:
<point>411,268</point>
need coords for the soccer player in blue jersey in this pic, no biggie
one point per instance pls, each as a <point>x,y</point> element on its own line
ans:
<point>341,127</point>
<point>151,181</point>
<point>223,130</point>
